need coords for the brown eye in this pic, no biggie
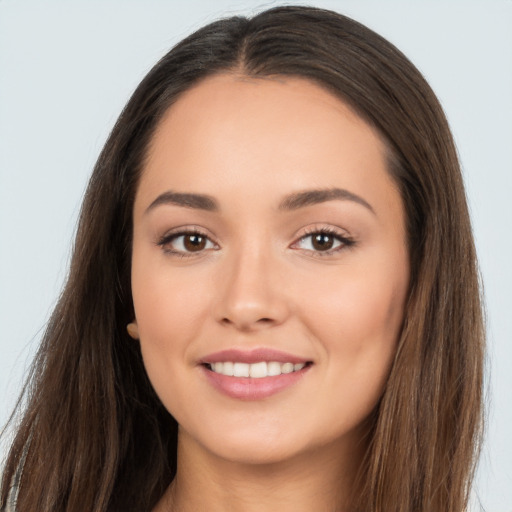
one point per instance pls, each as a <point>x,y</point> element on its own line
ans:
<point>186,243</point>
<point>322,241</point>
<point>194,242</point>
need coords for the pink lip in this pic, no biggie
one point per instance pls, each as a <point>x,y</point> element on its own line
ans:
<point>246,388</point>
<point>252,356</point>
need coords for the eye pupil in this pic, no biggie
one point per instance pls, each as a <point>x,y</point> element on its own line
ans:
<point>322,242</point>
<point>194,242</point>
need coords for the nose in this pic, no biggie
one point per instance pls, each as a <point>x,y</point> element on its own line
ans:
<point>251,293</point>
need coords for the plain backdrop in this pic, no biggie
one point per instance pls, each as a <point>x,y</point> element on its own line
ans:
<point>67,69</point>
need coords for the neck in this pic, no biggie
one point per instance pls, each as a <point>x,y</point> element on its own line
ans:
<point>322,479</point>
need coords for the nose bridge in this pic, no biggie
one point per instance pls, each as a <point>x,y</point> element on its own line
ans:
<point>250,296</point>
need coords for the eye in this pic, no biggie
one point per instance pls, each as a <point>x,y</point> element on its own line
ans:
<point>185,243</point>
<point>323,241</point>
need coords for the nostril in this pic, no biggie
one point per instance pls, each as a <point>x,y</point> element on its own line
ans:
<point>264,321</point>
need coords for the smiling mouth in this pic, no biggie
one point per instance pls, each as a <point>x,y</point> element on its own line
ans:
<point>257,370</point>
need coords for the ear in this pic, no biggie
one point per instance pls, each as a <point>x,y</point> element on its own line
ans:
<point>133,330</point>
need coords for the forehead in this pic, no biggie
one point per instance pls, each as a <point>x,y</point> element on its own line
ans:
<point>233,134</point>
<point>271,106</point>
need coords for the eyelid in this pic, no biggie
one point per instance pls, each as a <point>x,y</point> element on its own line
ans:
<point>175,233</point>
<point>342,236</point>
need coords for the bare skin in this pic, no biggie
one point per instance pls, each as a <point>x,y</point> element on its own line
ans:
<point>320,480</point>
<point>257,261</point>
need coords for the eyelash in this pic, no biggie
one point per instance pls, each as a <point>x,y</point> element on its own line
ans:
<point>345,241</point>
<point>168,238</point>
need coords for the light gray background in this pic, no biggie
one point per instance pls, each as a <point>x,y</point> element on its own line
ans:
<point>67,68</point>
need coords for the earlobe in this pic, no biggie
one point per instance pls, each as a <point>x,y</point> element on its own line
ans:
<point>133,330</point>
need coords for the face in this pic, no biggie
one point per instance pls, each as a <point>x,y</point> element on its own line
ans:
<point>269,268</point>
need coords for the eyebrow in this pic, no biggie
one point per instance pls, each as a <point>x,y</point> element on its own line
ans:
<point>310,197</point>
<point>291,202</point>
<point>196,201</point>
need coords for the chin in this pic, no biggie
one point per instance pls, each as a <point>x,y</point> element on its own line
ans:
<point>261,444</point>
<point>259,455</point>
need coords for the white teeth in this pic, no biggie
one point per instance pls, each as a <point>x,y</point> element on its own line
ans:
<point>287,368</point>
<point>274,368</point>
<point>255,370</point>
<point>258,370</point>
<point>228,369</point>
<point>241,370</point>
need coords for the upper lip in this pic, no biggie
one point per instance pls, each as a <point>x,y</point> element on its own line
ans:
<point>252,356</point>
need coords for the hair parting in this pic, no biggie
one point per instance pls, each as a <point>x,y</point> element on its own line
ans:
<point>94,436</point>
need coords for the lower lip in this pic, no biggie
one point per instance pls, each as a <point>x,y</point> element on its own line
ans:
<point>247,388</point>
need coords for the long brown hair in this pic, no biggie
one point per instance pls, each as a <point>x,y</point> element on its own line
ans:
<point>94,436</point>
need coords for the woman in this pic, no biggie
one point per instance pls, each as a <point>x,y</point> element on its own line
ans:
<point>273,300</point>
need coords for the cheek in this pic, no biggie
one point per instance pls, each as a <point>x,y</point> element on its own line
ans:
<point>356,314</point>
<point>359,308</point>
<point>358,324</point>
<point>169,311</point>
<point>168,304</point>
